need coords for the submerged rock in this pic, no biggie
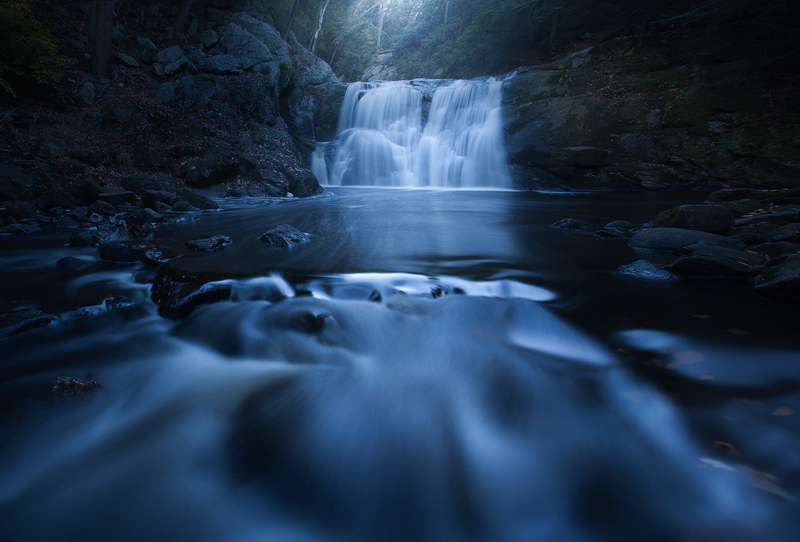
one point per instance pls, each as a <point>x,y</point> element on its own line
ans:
<point>647,270</point>
<point>23,320</point>
<point>573,224</point>
<point>209,243</point>
<point>71,265</point>
<point>284,236</point>
<point>66,387</point>
<point>672,239</point>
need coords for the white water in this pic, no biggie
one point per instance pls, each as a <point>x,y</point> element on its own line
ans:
<point>384,140</point>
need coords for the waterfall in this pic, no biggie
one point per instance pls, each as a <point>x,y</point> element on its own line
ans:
<point>384,140</point>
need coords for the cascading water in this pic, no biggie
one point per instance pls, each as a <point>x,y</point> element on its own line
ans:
<point>384,140</point>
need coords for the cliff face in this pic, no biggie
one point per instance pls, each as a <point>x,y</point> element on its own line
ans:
<point>621,117</point>
<point>228,108</point>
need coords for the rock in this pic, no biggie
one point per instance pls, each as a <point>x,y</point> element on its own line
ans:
<point>619,225</point>
<point>646,270</point>
<point>144,216</point>
<point>150,198</point>
<point>768,196</point>
<point>66,387</point>
<point>165,70</point>
<point>747,238</point>
<point>208,39</point>
<point>149,51</point>
<point>15,185</point>
<point>71,265</point>
<point>198,89</point>
<point>141,183</point>
<point>120,252</point>
<point>182,206</point>
<point>22,320</point>
<point>177,293</point>
<point>126,60</point>
<point>170,55</point>
<point>220,65</point>
<point>240,43</point>
<point>155,255</point>
<point>21,229</point>
<point>778,219</point>
<point>789,233</point>
<point>165,93</point>
<point>65,224</point>
<point>672,239</point>
<point>101,207</point>
<point>778,250</point>
<point>162,207</point>
<point>707,259</point>
<point>637,146</point>
<point>88,237</point>
<point>87,92</point>
<point>201,202</point>
<point>265,33</point>
<point>782,279</point>
<point>117,198</point>
<point>708,218</point>
<point>573,224</point>
<point>304,184</point>
<point>18,210</point>
<point>284,236</point>
<point>209,243</point>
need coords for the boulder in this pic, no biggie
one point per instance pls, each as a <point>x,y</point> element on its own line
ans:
<point>22,320</point>
<point>265,33</point>
<point>789,233</point>
<point>782,279</point>
<point>118,197</point>
<point>209,243</point>
<point>708,218</point>
<point>220,65</point>
<point>182,206</point>
<point>208,39</point>
<point>150,198</point>
<point>707,259</point>
<point>18,210</point>
<point>15,185</point>
<point>148,52</point>
<point>155,255</point>
<point>240,43</point>
<point>92,237</point>
<point>284,236</point>
<point>304,184</point>
<point>144,216</point>
<point>178,293</point>
<point>778,250</point>
<point>101,207</point>
<point>126,60</point>
<point>71,265</point>
<point>21,229</point>
<point>573,224</point>
<point>170,55</point>
<point>201,202</point>
<point>778,219</point>
<point>672,239</point>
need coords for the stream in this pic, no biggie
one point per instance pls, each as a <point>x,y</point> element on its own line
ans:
<point>432,365</point>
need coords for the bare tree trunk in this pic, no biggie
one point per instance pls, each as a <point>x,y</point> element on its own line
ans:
<point>319,26</point>
<point>291,20</point>
<point>380,24</point>
<point>446,11</point>
<point>101,43</point>
<point>183,18</point>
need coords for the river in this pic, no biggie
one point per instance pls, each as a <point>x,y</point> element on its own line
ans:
<point>432,365</point>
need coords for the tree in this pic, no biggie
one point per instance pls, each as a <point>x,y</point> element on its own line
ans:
<point>101,27</point>
<point>380,24</point>
<point>291,20</point>
<point>319,26</point>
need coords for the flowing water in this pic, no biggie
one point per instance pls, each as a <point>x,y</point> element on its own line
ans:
<point>433,365</point>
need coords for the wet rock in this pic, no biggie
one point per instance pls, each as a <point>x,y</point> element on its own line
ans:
<point>573,224</point>
<point>201,202</point>
<point>21,229</point>
<point>781,279</point>
<point>101,207</point>
<point>708,218</point>
<point>163,207</point>
<point>144,216</point>
<point>672,239</point>
<point>304,184</point>
<point>707,259</point>
<point>647,270</point>
<point>66,387</point>
<point>150,199</point>
<point>118,302</point>
<point>65,224</point>
<point>120,252</point>
<point>619,225</point>
<point>89,237</point>
<point>178,293</point>
<point>155,255</point>
<point>14,184</point>
<point>71,265</point>
<point>22,320</point>
<point>79,214</point>
<point>118,198</point>
<point>209,243</point>
<point>184,207</point>
<point>284,236</point>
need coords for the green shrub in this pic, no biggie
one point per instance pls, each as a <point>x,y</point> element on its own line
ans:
<point>29,53</point>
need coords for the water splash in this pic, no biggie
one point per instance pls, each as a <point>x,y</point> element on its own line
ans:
<point>384,139</point>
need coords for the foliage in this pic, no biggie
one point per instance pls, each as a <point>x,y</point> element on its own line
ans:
<point>29,53</point>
